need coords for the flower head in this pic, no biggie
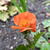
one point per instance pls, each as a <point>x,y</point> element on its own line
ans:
<point>25,21</point>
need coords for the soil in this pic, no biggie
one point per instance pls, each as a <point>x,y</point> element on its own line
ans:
<point>9,38</point>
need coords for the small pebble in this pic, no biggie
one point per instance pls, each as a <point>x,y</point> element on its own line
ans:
<point>7,38</point>
<point>14,37</point>
<point>3,25</point>
<point>11,47</point>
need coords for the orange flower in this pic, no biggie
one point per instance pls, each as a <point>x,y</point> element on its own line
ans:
<point>25,21</point>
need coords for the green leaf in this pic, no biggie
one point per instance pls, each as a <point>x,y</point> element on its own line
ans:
<point>23,3</point>
<point>49,29</point>
<point>17,5</point>
<point>36,38</point>
<point>46,23</point>
<point>12,10</point>
<point>4,16</point>
<point>46,2</point>
<point>45,46</point>
<point>21,47</point>
<point>40,42</point>
<point>47,35</point>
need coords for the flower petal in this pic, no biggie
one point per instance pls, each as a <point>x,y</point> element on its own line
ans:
<point>16,27</point>
<point>22,30</point>
<point>25,21</point>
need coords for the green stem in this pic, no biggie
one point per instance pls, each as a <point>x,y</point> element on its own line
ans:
<point>23,3</point>
<point>18,8</point>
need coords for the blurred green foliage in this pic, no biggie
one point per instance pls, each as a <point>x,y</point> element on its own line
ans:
<point>12,8</point>
<point>21,47</point>
<point>10,11</point>
<point>46,23</point>
<point>45,46</point>
<point>4,16</point>
<point>42,40</point>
